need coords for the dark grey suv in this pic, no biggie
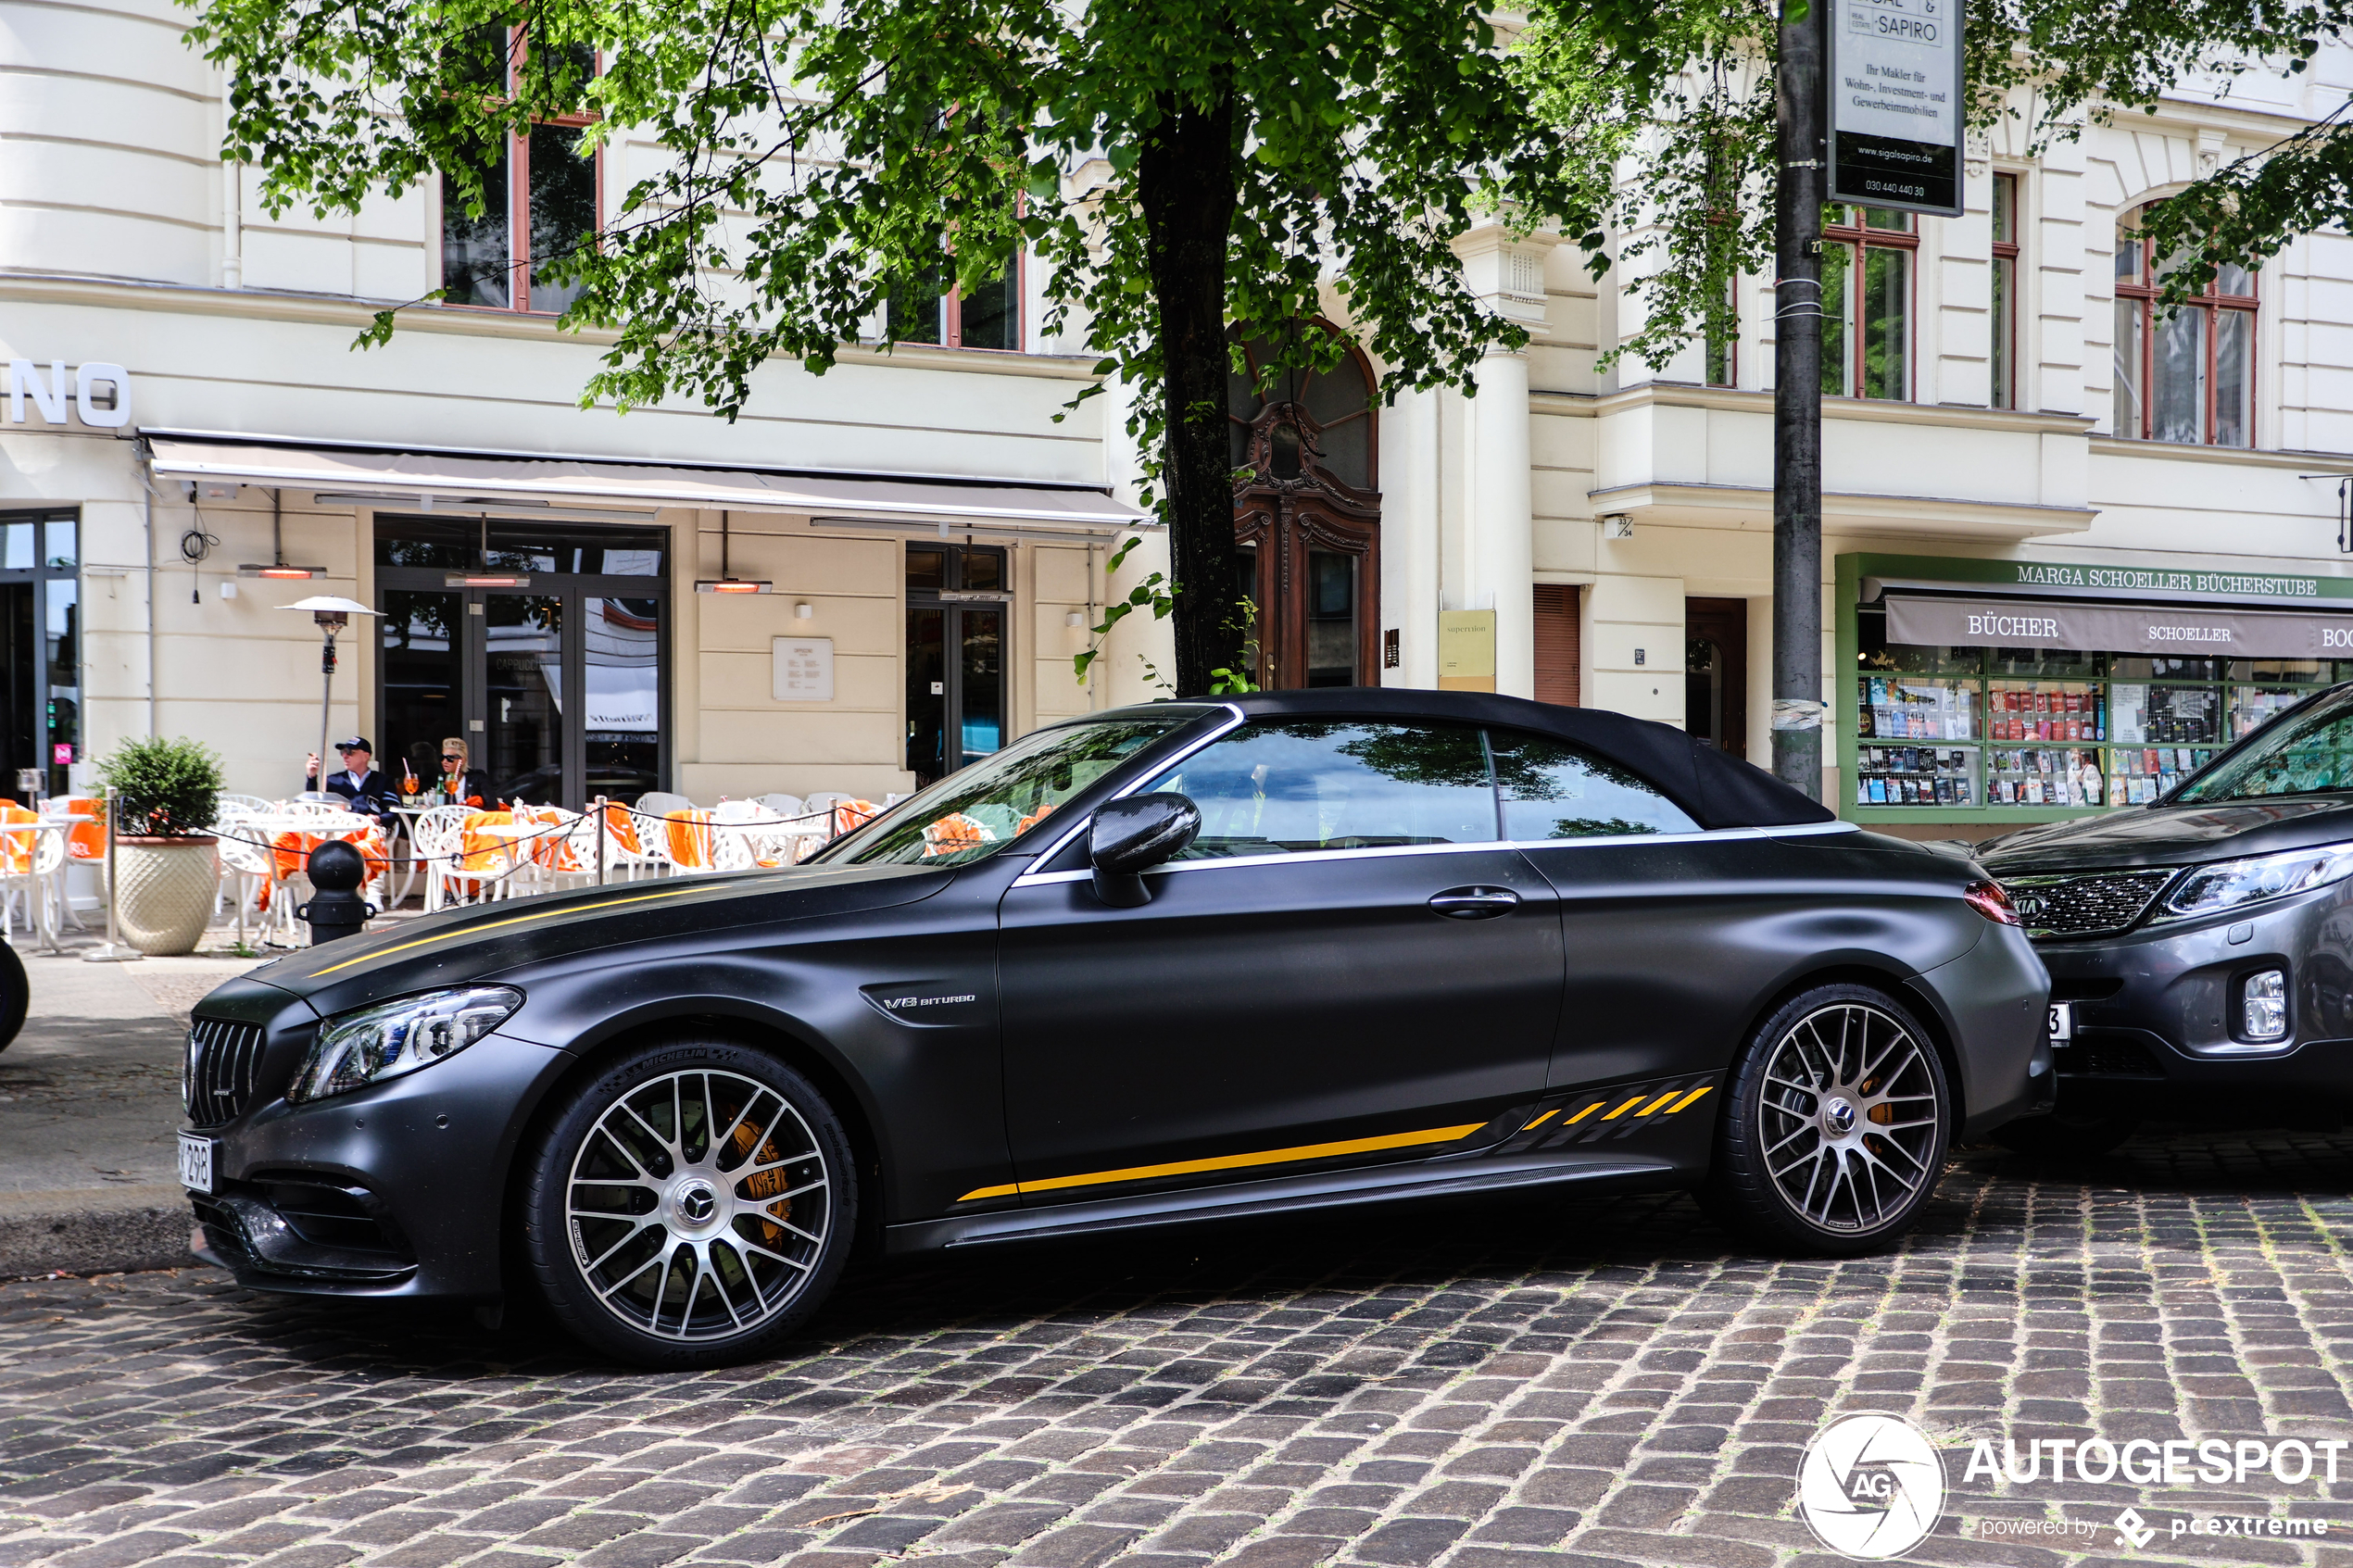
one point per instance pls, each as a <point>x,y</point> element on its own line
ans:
<point>2201,946</point>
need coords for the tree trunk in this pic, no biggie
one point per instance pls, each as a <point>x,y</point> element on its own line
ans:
<point>1185,177</point>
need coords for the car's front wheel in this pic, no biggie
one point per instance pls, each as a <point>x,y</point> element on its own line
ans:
<point>1835,1125</point>
<point>689,1205</point>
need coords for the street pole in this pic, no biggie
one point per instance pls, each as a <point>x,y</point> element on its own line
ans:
<point>1797,401</point>
<point>326,699</point>
<point>112,949</point>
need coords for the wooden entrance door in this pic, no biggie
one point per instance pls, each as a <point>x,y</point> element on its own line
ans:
<point>1307,519</point>
<point>1716,672</point>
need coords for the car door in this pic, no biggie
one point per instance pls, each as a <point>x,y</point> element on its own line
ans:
<point>1347,964</point>
<point>1659,979</point>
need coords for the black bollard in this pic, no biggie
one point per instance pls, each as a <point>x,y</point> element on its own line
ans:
<point>336,908</point>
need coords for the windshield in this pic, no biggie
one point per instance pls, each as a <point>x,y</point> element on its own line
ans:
<point>2293,755</point>
<point>974,813</point>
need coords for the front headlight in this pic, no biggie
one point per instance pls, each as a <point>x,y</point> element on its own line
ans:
<point>2211,890</point>
<point>355,1050</point>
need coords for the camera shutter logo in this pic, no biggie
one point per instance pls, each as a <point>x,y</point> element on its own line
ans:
<point>1871,1487</point>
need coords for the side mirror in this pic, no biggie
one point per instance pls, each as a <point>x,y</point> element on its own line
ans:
<point>1129,837</point>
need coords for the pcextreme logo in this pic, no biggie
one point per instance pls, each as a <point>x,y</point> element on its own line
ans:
<point>1870,1488</point>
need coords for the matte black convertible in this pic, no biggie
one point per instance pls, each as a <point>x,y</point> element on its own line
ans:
<point>1164,964</point>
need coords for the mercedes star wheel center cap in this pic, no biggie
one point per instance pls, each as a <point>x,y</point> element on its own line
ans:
<point>695,1203</point>
<point>1839,1117</point>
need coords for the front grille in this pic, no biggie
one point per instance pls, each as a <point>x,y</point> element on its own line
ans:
<point>222,1058</point>
<point>2084,905</point>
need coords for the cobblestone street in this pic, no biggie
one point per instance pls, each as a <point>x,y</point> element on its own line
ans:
<point>1541,1382</point>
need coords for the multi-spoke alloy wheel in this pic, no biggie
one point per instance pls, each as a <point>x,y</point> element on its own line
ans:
<point>1836,1124</point>
<point>691,1205</point>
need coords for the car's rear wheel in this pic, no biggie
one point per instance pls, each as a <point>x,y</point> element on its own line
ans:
<point>691,1205</point>
<point>1835,1125</point>
<point>2083,1127</point>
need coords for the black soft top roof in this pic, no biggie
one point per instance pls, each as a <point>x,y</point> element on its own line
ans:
<point>1718,791</point>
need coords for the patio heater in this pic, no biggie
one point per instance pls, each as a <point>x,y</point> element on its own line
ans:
<point>333,615</point>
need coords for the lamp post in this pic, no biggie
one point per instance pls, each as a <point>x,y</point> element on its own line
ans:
<point>333,615</point>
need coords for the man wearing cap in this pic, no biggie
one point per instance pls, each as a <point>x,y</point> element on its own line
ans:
<point>365,790</point>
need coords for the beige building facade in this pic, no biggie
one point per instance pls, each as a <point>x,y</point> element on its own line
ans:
<point>2010,422</point>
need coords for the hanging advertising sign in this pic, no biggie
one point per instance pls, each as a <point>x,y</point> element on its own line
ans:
<point>1896,110</point>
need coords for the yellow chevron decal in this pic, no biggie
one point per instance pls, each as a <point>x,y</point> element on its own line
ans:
<point>1542,1120</point>
<point>1584,1113</point>
<point>1689,1097</point>
<point>1659,1101</point>
<point>1231,1162</point>
<point>1623,1108</point>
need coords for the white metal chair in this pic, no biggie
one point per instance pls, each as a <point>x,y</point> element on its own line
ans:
<point>784,805</point>
<point>661,803</point>
<point>244,803</point>
<point>31,872</point>
<point>248,866</point>
<point>437,837</point>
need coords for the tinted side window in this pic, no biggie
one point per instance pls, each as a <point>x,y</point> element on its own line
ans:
<point>1311,785</point>
<point>1552,790</point>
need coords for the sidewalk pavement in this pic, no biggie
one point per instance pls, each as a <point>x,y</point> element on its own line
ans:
<point>89,1103</point>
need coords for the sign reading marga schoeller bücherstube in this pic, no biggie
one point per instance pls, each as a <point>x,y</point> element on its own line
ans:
<point>1896,110</point>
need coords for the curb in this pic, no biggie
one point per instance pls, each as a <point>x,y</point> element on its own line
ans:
<point>111,1230</point>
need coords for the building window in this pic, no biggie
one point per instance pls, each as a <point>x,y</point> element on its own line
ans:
<point>2185,374</point>
<point>539,199</point>
<point>1866,302</point>
<point>1724,338</point>
<point>2003,350</point>
<point>989,317</point>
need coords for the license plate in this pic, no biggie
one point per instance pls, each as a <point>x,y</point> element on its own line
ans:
<point>2062,1022</point>
<point>195,1164</point>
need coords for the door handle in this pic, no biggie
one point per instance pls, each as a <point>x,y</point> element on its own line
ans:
<point>1474,903</point>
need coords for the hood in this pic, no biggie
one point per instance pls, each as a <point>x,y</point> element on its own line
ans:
<point>2174,835</point>
<point>483,942</point>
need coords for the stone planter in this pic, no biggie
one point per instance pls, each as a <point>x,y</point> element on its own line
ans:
<point>164,890</point>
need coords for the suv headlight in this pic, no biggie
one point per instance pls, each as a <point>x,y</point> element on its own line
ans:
<point>2210,890</point>
<point>355,1050</point>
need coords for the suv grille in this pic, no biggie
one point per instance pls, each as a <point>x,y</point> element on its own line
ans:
<point>2084,905</point>
<point>222,1058</point>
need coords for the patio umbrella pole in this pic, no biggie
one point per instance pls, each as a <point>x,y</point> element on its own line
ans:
<point>601,841</point>
<point>113,950</point>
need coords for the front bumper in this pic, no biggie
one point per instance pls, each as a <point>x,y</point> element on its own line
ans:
<point>395,1190</point>
<point>2156,1010</point>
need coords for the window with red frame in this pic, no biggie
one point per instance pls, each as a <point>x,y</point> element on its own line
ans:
<point>539,195</point>
<point>2187,374</point>
<point>1866,302</point>
<point>987,317</point>
<point>2004,355</point>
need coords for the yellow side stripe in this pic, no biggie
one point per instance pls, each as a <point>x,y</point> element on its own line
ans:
<point>1689,1097</point>
<point>1623,1108</point>
<point>1584,1113</point>
<point>1542,1120</point>
<point>499,925</point>
<point>1659,1101</point>
<point>1233,1162</point>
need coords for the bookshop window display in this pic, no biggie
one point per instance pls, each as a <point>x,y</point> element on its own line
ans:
<point>2049,730</point>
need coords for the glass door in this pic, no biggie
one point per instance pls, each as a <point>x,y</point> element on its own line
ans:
<point>522,658</point>
<point>555,681</point>
<point>956,620</point>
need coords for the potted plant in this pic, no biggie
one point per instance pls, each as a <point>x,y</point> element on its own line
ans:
<point>166,793</point>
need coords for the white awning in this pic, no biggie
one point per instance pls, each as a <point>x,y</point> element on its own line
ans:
<point>432,480</point>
